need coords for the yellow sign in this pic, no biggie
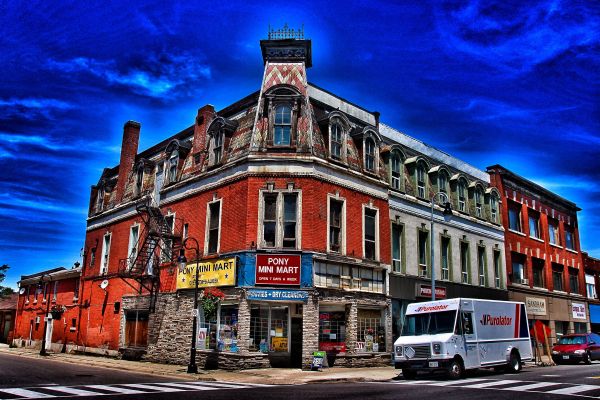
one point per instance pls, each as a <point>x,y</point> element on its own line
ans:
<point>279,343</point>
<point>219,272</point>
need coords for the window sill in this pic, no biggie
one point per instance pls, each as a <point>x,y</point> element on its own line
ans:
<point>576,295</point>
<point>541,289</point>
<point>536,239</point>
<point>571,250</point>
<point>559,292</point>
<point>72,329</point>
<point>517,232</point>
<point>555,245</point>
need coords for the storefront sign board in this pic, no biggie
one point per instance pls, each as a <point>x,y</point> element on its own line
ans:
<point>425,291</point>
<point>219,272</point>
<point>578,310</point>
<point>535,305</point>
<point>277,295</point>
<point>277,269</point>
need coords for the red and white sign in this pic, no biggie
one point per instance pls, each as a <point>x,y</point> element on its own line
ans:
<point>277,269</point>
<point>425,291</point>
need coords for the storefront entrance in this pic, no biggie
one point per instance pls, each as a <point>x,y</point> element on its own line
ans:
<point>296,343</point>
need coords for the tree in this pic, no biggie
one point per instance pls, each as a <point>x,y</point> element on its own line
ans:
<point>4,291</point>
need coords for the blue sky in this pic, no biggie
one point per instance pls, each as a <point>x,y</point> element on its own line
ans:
<point>487,82</point>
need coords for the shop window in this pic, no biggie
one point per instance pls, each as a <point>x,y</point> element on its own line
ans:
<point>580,327</point>
<point>573,280</point>
<point>395,169</point>
<point>332,331</point>
<point>371,225</point>
<point>445,259</point>
<point>345,277</point>
<point>227,334</point>
<point>538,273</point>
<point>213,224</point>
<point>280,219</point>
<point>268,328</point>
<point>519,275</point>
<point>561,328</point>
<point>397,247</point>
<point>569,239</point>
<point>497,269</point>
<point>371,331</point>
<point>136,328</point>
<point>557,277</point>
<point>534,224</point>
<point>481,264</point>
<point>105,254</point>
<point>336,225</point>
<point>553,233</point>
<point>464,262</point>
<point>514,216</point>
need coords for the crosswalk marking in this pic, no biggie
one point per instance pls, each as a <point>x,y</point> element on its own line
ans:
<point>29,394</point>
<point>464,381</point>
<point>123,388</point>
<point>492,383</point>
<point>574,389</point>
<point>537,385</point>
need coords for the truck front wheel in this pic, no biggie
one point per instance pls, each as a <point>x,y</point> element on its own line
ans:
<point>409,373</point>
<point>514,363</point>
<point>455,369</point>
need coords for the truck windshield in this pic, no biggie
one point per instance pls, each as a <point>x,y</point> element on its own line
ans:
<point>429,324</point>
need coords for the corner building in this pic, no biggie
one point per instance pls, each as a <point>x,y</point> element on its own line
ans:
<point>544,260</point>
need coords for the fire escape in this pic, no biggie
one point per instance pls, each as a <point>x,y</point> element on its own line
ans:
<point>157,247</point>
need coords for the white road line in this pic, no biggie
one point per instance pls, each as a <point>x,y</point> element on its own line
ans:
<point>152,387</point>
<point>574,389</point>
<point>536,385</point>
<point>30,394</point>
<point>413,382</point>
<point>115,389</point>
<point>224,385</point>
<point>458,382</point>
<point>72,390</point>
<point>186,385</point>
<point>492,383</point>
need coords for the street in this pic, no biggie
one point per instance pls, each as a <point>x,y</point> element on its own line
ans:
<point>27,378</point>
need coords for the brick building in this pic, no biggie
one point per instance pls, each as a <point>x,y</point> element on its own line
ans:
<point>591,267</point>
<point>544,261</point>
<point>8,311</point>
<point>50,296</point>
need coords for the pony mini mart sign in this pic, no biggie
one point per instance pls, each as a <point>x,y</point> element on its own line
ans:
<point>219,272</point>
<point>277,269</point>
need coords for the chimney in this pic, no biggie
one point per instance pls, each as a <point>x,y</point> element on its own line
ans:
<point>129,148</point>
<point>203,120</point>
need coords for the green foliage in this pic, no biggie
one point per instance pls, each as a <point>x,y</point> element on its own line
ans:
<point>4,291</point>
<point>210,301</point>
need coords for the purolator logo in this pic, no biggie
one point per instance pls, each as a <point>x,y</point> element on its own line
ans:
<point>438,307</point>
<point>488,319</point>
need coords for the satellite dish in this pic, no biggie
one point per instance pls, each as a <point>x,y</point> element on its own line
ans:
<point>22,290</point>
<point>104,284</point>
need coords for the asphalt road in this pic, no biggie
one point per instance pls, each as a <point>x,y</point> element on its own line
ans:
<point>25,378</point>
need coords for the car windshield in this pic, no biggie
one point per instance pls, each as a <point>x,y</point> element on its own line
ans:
<point>572,340</point>
<point>429,324</point>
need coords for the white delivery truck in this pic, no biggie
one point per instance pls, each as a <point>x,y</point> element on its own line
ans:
<point>455,335</point>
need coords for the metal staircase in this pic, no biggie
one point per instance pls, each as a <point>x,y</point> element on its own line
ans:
<point>158,233</point>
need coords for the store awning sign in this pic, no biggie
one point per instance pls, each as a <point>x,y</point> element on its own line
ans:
<point>425,291</point>
<point>277,295</point>
<point>535,305</point>
<point>578,310</point>
<point>277,269</point>
<point>219,272</point>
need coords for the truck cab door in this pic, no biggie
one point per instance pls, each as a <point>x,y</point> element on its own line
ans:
<point>469,338</point>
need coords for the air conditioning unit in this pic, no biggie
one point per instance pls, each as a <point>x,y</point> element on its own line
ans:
<point>524,281</point>
<point>423,272</point>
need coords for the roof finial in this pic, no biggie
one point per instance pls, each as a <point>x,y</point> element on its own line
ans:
<point>286,33</point>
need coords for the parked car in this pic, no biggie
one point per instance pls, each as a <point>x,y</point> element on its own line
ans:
<point>577,347</point>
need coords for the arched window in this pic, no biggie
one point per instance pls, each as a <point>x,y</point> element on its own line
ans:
<point>478,201</point>
<point>172,171</point>
<point>335,142</point>
<point>369,154</point>
<point>494,208</point>
<point>462,195</point>
<point>442,181</point>
<point>283,125</point>
<point>421,183</point>
<point>395,169</point>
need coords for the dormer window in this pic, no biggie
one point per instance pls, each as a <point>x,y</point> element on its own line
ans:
<point>100,199</point>
<point>139,180</point>
<point>421,182</point>
<point>395,169</point>
<point>494,208</point>
<point>172,166</point>
<point>219,132</point>
<point>370,154</point>
<point>282,129</point>
<point>442,182</point>
<point>462,195</point>
<point>478,202</point>
<point>335,142</point>
<point>218,147</point>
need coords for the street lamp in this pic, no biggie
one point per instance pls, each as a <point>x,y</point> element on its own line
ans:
<point>182,262</point>
<point>447,216</point>
<point>40,286</point>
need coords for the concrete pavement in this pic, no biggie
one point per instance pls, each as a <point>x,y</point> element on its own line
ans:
<point>265,376</point>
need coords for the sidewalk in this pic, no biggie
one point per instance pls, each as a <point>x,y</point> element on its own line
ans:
<point>264,376</point>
